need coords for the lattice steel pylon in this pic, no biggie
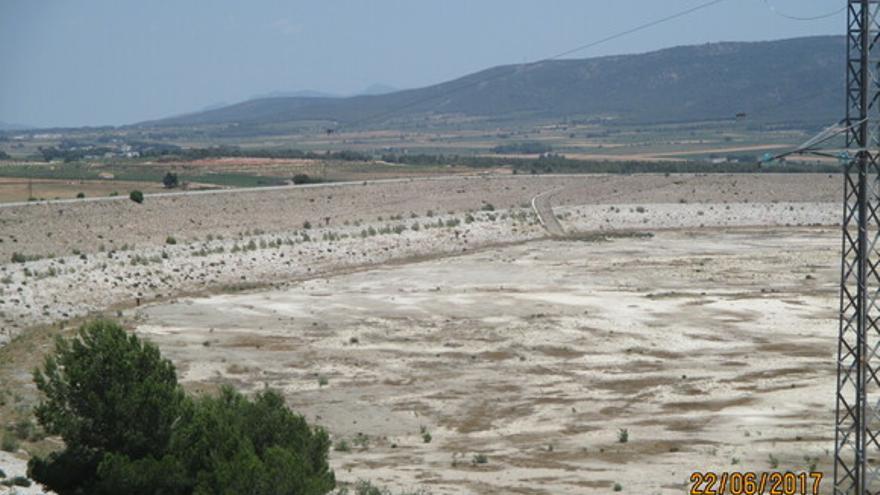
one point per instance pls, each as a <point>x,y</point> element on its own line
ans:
<point>857,436</point>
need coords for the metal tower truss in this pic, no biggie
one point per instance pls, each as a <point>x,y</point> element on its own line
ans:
<point>857,439</point>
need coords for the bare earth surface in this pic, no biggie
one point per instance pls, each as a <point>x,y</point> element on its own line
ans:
<point>696,312</point>
<point>713,350</point>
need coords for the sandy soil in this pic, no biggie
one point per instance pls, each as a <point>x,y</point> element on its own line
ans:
<point>714,350</point>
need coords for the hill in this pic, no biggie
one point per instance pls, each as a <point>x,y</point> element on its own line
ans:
<point>795,81</point>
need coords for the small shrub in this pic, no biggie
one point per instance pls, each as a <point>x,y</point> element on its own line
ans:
<point>80,195</point>
<point>480,459</point>
<point>302,179</point>
<point>9,443</point>
<point>170,241</point>
<point>426,437</point>
<point>361,441</point>
<point>342,446</point>
<point>618,487</point>
<point>21,481</point>
<point>18,258</point>
<point>488,207</point>
<point>307,225</point>
<point>136,196</point>
<point>323,381</point>
<point>774,461</point>
<point>623,435</point>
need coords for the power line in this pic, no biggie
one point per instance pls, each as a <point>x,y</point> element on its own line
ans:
<point>798,18</point>
<point>479,81</point>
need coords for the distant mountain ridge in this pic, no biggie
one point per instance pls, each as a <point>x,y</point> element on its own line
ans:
<point>797,80</point>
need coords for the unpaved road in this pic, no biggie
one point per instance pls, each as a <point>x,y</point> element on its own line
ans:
<point>543,206</point>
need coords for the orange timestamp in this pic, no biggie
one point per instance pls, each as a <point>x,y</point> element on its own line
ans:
<point>788,483</point>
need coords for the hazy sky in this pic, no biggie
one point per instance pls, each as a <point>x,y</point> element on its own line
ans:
<point>95,62</point>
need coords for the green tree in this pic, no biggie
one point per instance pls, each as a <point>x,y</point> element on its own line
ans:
<point>105,392</point>
<point>129,428</point>
<point>170,181</point>
<point>136,196</point>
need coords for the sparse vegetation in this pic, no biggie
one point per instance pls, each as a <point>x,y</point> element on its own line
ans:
<point>136,196</point>
<point>623,435</point>
<point>367,488</point>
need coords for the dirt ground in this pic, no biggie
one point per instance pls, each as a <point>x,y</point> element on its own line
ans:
<point>429,324</point>
<point>60,228</point>
<point>14,190</point>
<point>713,350</point>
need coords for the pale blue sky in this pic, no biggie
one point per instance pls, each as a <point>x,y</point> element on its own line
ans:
<point>96,62</point>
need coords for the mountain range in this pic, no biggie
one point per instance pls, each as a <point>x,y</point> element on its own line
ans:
<point>797,81</point>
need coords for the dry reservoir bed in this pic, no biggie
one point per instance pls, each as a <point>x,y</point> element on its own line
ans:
<point>713,350</point>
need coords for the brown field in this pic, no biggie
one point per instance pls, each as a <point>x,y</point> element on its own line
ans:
<point>17,190</point>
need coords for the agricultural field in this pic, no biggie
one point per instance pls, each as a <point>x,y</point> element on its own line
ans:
<point>350,155</point>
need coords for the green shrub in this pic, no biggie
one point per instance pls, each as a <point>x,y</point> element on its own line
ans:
<point>618,487</point>
<point>480,459</point>
<point>623,435</point>
<point>21,481</point>
<point>307,225</point>
<point>304,179</point>
<point>9,443</point>
<point>136,196</point>
<point>361,441</point>
<point>170,240</point>
<point>342,446</point>
<point>80,195</point>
